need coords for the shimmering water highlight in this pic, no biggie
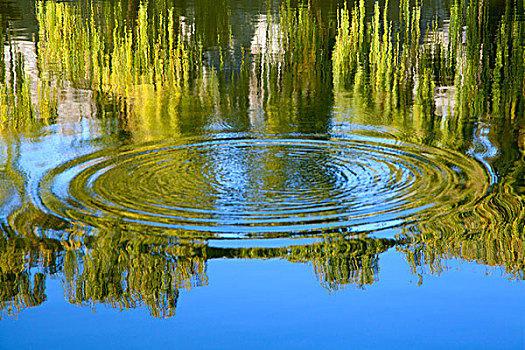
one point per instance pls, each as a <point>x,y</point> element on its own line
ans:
<point>263,186</point>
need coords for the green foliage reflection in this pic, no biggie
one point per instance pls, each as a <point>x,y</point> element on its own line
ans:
<point>399,66</point>
<point>123,271</point>
<point>443,82</point>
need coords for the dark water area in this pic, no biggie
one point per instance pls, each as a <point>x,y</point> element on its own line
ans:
<point>249,174</point>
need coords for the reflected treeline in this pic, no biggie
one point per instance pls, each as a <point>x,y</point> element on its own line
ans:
<point>178,69</point>
<point>293,73</point>
<point>25,263</point>
<point>123,270</point>
<point>440,76</point>
<point>168,76</point>
<point>88,43</point>
<point>16,104</point>
<point>338,262</point>
<point>489,59</point>
<point>16,107</point>
<point>382,62</point>
<point>166,73</point>
<point>145,65</point>
<point>491,233</point>
<point>25,105</point>
<point>458,84</point>
<point>124,273</point>
<point>20,288</point>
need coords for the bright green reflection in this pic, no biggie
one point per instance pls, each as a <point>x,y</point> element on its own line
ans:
<point>125,271</point>
<point>161,71</point>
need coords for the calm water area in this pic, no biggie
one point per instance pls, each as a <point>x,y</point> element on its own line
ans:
<point>262,174</point>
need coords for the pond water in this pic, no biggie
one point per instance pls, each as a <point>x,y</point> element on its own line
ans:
<point>279,174</point>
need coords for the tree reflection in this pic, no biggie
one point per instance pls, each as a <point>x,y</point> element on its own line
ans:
<point>123,270</point>
<point>168,73</point>
<point>465,79</point>
<point>185,73</point>
<point>25,263</point>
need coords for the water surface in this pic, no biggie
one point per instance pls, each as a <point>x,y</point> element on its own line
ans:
<point>262,174</point>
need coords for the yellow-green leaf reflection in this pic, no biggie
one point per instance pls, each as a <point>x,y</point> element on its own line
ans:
<point>166,126</point>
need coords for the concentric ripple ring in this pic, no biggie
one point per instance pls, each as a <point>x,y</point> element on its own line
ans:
<point>261,186</point>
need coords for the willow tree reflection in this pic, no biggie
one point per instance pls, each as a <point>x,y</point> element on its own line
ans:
<point>123,270</point>
<point>491,233</point>
<point>165,68</point>
<point>457,81</point>
<point>297,76</point>
<point>167,73</point>
<point>145,67</point>
<point>124,273</point>
<point>441,81</point>
<point>25,263</point>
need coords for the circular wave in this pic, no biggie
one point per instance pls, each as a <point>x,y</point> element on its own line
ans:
<point>263,186</point>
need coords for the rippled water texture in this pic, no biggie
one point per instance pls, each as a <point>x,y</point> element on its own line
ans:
<point>263,186</point>
<point>262,174</point>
